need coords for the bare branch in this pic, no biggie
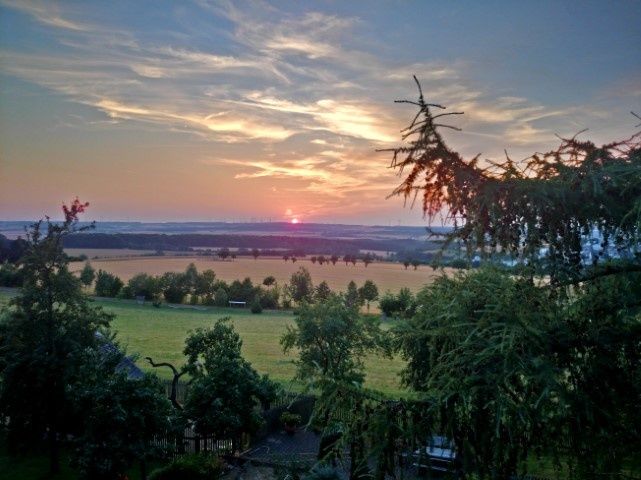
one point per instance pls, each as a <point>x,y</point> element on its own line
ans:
<point>174,382</point>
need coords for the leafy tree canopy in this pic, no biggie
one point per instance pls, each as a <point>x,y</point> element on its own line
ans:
<point>120,416</point>
<point>87,274</point>
<point>368,292</point>
<point>332,340</point>
<point>43,337</point>
<point>300,286</point>
<point>225,389</point>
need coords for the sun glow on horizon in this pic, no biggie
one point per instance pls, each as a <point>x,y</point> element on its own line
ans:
<point>294,220</point>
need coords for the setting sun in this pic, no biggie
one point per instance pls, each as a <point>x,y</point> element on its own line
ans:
<point>294,220</point>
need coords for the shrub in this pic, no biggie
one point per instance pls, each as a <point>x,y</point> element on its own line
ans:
<point>144,285</point>
<point>174,287</point>
<point>242,291</point>
<point>290,419</point>
<point>193,467</point>
<point>255,306</point>
<point>269,298</point>
<point>107,285</point>
<point>10,275</point>
<point>221,299</point>
<point>401,305</point>
<point>87,275</point>
<point>458,263</point>
<point>389,304</point>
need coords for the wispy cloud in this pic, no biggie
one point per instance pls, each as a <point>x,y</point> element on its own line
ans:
<point>291,96</point>
<point>45,13</point>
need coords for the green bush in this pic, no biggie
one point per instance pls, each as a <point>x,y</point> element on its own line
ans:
<point>107,285</point>
<point>402,305</point>
<point>290,419</point>
<point>144,285</point>
<point>456,263</point>
<point>389,304</point>
<point>256,306</point>
<point>174,287</point>
<point>10,275</point>
<point>192,467</point>
<point>221,298</point>
<point>269,298</point>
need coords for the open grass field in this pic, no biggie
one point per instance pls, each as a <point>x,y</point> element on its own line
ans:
<point>160,333</point>
<point>386,275</point>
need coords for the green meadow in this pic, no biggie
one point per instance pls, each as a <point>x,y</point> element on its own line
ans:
<point>160,333</point>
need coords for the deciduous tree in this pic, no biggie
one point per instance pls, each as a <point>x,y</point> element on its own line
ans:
<point>43,337</point>
<point>225,389</point>
<point>121,416</point>
<point>107,284</point>
<point>300,286</point>
<point>322,292</point>
<point>332,340</point>
<point>87,275</point>
<point>368,292</point>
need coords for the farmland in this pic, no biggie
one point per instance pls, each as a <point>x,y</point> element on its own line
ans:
<point>386,275</point>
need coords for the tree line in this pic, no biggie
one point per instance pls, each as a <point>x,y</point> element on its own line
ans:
<point>205,288</point>
<point>186,242</point>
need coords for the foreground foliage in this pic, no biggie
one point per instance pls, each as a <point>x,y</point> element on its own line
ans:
<point>511,366</point>
<point>43,338</point>
<point>192,467</point>
<point>224,388</point>
<point>120,416</point>
<point>62,375</point>
<point>332,340</point>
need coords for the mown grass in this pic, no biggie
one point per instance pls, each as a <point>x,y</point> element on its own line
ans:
<point>160,333</point>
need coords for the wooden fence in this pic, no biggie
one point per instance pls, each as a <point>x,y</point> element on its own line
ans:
<point>191,442</point>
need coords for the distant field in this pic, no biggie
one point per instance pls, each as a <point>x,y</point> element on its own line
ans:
<point>106,252</point>
<point>387,276</point>
<point>160,333</point>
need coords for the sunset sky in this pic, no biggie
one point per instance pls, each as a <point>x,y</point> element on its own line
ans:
<point>201,110</point>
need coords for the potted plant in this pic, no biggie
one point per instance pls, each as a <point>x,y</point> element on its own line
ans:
<point>290,421</point>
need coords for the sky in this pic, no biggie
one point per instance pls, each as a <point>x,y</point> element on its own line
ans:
<point>255,110</point>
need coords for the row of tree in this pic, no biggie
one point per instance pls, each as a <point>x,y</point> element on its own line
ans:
<point>333,259</point>
<point>205,288</point>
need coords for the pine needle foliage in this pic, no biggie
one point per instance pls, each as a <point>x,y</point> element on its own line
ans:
<point>549,201</point>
